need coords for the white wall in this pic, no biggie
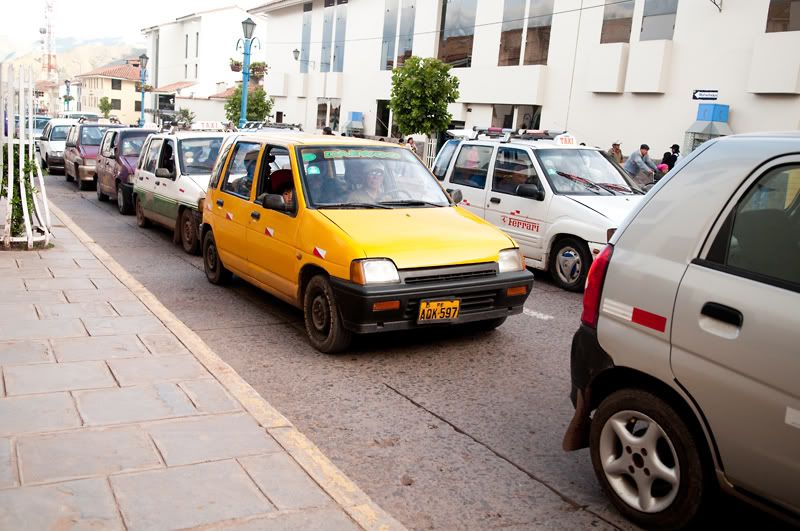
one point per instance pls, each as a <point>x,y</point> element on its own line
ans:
<point>204,109</point>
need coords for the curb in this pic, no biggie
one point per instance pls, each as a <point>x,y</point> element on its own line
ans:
<point>344,492</point>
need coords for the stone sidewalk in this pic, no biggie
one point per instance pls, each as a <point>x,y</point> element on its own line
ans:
<point>114,415</point>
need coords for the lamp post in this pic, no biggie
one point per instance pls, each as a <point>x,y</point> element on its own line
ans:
<point>66,100</point>
<point>142,65</point>
<point>248,27</point>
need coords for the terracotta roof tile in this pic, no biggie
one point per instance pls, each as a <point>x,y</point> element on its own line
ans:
<point>128,72</point>
<point>174,87</point>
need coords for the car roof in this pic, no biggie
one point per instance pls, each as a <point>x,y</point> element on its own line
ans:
<point>309,139</point>
<point>193,134</point>
<point>136,130</point>
<point>534,144</point>
<point>63,121</point>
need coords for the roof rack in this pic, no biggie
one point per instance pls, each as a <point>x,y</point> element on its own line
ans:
<point>505,134</point>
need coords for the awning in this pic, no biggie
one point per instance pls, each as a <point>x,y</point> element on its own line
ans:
<point>710,128</point>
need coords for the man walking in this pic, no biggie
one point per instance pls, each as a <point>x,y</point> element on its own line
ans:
<point>615,152</point>
<point>640,167</point>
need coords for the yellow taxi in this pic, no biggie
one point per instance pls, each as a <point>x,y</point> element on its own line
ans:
<point>358,234</point>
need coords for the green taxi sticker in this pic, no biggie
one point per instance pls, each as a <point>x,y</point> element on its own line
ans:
<point>360,154</point>
<point>308,157</point>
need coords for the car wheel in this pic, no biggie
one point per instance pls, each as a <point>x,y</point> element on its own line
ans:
<point>216,273</point>
<point>322,317</point>
<point>647,460</point>
<point>569,263</point>
<point>141,220</point>
<point>44,163</point>
<point>67,176</point>
<point>188,229</point>
<point>123,201</point>
<point>100,195</point>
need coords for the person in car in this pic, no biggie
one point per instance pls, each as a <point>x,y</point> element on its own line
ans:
<point>372,187</point>
<point>287,192</point>
<point>244,184</point>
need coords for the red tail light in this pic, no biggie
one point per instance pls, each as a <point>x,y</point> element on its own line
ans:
<point>594,287</point>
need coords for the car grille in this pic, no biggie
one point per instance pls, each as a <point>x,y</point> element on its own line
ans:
<point>470,303</point>
<point>440,274</point>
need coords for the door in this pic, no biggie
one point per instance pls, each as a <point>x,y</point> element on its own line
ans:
<point>104,155</point>
<point>111,163</point>
<point>165,203</point>
<point>144,184</point>
<point>735,334</point>
<point>70,151</point>
<point>470,175</point>
<point>271,235</point>
<point>233,206</point>
<point>523,218</point>
<point>43,143</point>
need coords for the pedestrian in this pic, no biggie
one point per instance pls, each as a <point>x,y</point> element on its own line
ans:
<point>411,145</point>
<point>671,157</point>
<point>615,152</point>
<point>640,166</point>
<point>327,131</point>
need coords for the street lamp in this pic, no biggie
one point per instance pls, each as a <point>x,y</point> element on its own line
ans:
<point>142,65</point>
<point>248,27</point>
<point>66,100</point>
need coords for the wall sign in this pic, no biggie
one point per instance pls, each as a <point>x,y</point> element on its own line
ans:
<point>705,94</point>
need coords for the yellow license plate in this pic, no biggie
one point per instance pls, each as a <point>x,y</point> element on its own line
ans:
<point>432,311</point>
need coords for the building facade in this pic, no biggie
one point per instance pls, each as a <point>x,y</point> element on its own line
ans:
<point>118,83</point>
<point>604,70</point>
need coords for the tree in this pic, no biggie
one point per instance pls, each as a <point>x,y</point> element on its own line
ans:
<point>421,91</point>
<point>105,106</point>
<point>185,115</point>
<point>259,105</point>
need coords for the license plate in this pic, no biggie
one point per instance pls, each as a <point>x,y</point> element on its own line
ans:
<point>438,311</point>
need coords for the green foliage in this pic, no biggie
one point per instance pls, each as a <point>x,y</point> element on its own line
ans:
<point>259,105</point>
<point>68,98</point>
<point>17,219</point>
<point>185,115</point>
<point>421,91</point>
<point>105,106</point>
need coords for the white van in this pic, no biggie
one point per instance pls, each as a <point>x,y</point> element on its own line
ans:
<point>558,200</point>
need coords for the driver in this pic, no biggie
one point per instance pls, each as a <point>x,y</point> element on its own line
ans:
<point>371,190</point>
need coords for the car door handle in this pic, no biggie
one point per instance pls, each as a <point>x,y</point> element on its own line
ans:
<point>723,313</point>
<point>220,202</point>
<point>495,200</point>
<point>255,215</point>
<point>158,183</point>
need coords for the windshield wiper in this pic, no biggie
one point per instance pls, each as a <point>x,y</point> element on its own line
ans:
<point>586,182</point>
<point>410,202</point>
<point>350,205</point>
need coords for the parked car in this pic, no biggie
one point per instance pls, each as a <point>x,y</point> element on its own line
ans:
<point>171,178</point>
<point>52,143</point>
<point>355,255</point>
<point>116,163</point>
<point>80,155</point>
<point>687,351</point>
<point>558,200</point>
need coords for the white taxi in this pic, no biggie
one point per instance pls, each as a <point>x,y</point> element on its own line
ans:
<point>558,200</point>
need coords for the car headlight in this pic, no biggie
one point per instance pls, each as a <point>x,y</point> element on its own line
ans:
<point>58,153</point>
<point>510,260</point>
<point>373,271</point>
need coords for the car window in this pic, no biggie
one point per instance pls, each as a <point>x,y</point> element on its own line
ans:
<point>46,130</point>
<point>40,122</point>
<point>443,159</point>
<point>512,168</point>
<point>167,159</point>
<point>762,234</point>
<point>198,155</point>
<point>216,172</point>
<point>106,145</point>
<point>59,132</point>
<point>72,135</point>
<point>241,169</point>
<point>132,145</point>
<point>472,165</point>
<point>91,135</point>
<point>151,162</point>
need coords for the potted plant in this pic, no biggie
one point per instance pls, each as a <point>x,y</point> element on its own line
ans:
<point>147,88</point>
<point>236,65</point>
<point>68,98</point>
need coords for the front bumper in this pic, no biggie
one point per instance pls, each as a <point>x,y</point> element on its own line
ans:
<point>86,173</point>
<point>481,299</point>
<point>55,162</point>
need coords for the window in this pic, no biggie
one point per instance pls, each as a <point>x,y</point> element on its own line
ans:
<point>334,11</point>
<point>760,236</point>
<point>132,145</point>
<point>658,20</point>
<point>116,84</point>
<point>59,132</point>
<point>511,33</point>
<point>516,116</point>
<point>382,117</point>
<point>92,135</point>
<point>197,44</point>
<point>216,172</point>
<point>305,47</point>
<point>137,106</point>
<point>116,104</point>
<point>394,38</point>
<point>457,31</point>
<point>617,21</point>
<point>512,168</point>
<point>195,71</point>
<point>279,117</point>
<point>106,143</point>
<point>152,155</point>
<point>783,15</point>
<point>444,158</point>
<point>537,39</point>
<point>472,165</point>
<point>322,113</point>
<point>341,32</point>
<point>405,39</point>
<point>335,108</point>
<point>503,116</point>
<point>241,170</point>
<point>198,155</point>
<point>389,34</point>
<point>167,159</point>
<point>327,35</point>
<point>186,47</point>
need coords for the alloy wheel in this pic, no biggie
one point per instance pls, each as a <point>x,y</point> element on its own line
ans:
<point>569,265</point>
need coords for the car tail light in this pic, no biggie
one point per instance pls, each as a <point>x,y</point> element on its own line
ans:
<point>594,287</point>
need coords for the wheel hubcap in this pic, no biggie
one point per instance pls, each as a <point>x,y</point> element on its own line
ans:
<point>320,314</point>
<point>211,258</point>
<point>568,265</point>
<point>639,461</point>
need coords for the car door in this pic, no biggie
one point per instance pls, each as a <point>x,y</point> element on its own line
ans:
<point>233,206</point>
<point>103,155</point>
<point>112,162</point>
<point>70,151</point>
<point>523,218</point>
<point>42,142</point>
<point>735,333</point>
<point>469,174</point>
<point>272,235</point>
<point>144,184</point>
<point>165,202</point>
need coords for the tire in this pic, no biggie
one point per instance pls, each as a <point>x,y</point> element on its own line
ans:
<point>84,186</point>
<point>123,201</point>
<point>188,232</point>
<point>67,176</point>
<point>100,195</point>
<point>44,163</point>
<point>324,326</point>
<point>141,220</point>
<point>216,273</point>
<point>569,264</point>
<point>622,460</point>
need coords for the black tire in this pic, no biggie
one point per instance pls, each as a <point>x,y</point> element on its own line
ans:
<point>324,326</point>
<point>123,201</point>
<point>676,445</point>
<point>188,232</point>
<point>84,186</point>
<point>569,263</point>
<point>44,163</point>
<point>67,176</point>
<point>100,195</point>
<point>141,220</point>
<point>216,273</point>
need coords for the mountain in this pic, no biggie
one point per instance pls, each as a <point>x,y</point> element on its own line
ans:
<point>80,57</point>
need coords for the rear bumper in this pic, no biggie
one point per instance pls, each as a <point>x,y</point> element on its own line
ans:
<point>86,173</point>
<point>481,299</point>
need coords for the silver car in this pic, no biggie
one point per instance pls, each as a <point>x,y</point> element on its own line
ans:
<point>686,366</point>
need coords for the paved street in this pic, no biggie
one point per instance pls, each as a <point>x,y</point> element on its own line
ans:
<point>443,430</point>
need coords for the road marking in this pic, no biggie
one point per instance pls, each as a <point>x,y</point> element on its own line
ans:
<point>538,315</point>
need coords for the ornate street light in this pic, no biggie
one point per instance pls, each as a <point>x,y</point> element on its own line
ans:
<point>248,27</point>
<point>142,65</point>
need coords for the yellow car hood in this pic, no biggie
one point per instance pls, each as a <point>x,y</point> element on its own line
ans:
<point>422,237</point>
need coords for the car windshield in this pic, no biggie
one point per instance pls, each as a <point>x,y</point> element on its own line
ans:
<point>132,145</point>
<point>40,122</point>
<point>197,155</point>
<point>368,177</point>
<point>91,135</point>
<point>59,132</point>
<point>582,171</point>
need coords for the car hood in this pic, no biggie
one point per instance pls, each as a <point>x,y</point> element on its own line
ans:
<point>57,145</point>
<point>89,152</point>
<point>200,180</point>
<point>421,237</point>
<point>613,207</point>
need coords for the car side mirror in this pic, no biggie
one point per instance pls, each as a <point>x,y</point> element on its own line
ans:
<point>41,138</point>
<point>455,195</point>
<point>69,144</point>
<point>532,191</point>
<point>274,202</point>
<point>163,173</point>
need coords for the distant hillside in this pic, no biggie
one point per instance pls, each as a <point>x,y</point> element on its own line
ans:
<point>81,58</point>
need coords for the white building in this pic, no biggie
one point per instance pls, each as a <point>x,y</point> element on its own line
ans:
<point>623,71</point>
<point>190,60</point>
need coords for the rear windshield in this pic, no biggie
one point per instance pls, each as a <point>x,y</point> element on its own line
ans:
<point>59,132</point>
<point>132,144</point>
<point>92,134</point>
<point>197,155</point>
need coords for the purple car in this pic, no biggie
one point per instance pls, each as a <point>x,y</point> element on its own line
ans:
<point>116,162</point>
